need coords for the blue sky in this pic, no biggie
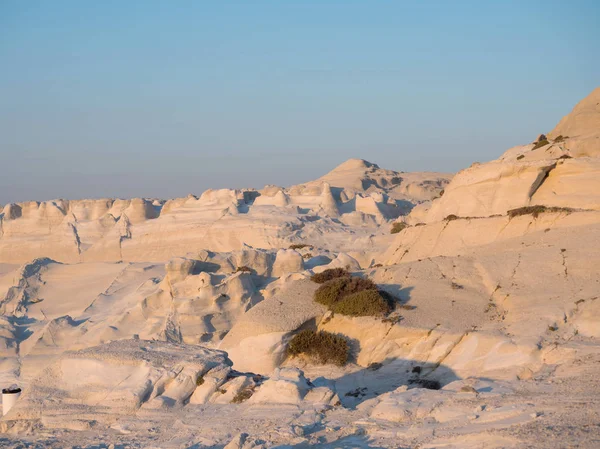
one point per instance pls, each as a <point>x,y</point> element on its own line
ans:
<point>161,99</point>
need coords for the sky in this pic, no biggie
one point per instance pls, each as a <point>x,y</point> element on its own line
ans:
<point>161,99</point>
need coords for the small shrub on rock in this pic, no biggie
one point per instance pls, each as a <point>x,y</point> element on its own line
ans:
<point>243,269</point>
<point>535,211</point>
<point>242,395</point>
<point>321,347</point>
<point>334,290</point>
<point>520,156</point>
<point>451,217</point>
<point>329,274</point>
<point>540,144</point>
<point>397,227</point>
<point>362,303</point>
<point>300,246</point>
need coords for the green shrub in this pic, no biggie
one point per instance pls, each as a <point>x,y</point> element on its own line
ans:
<point>307,256</point>
<point>362,303</point>
<point>199,381</point>
<point>243,269</point>
<point>535,211</point>
<point>398,226</point>
<point>540,144</point>
<point>329,274</point>
<point>321,347</point>
<point>335,289</point>
<point>560,138</point>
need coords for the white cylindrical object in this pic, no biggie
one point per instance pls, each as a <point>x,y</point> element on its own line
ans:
<point>9,399</point>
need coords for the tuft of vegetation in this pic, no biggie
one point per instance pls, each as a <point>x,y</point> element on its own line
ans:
<point>451,217</point>
<point>320,347</point>
<point>456,286</point>
<point>199,381</point>
<point>566,156</point>
<point>363,303</point>
<point>468,389</point>
<point>307,256</point>
<point>329,274</point>
<point>520,156</point>
<point>242,395</point>
<point>442,193</point>
<point>552,328</point>
<point>560,138</point>
<point>377,265</point>
<point>398,226</point>
<point>396,180</point>
<point>535,211</point>
<point>540,144</point>
<point>300,246</point>
<point>334,290</point>
<point>243,269</point>
<point>419,224</point>
<point>354,296</point>
<point>426,383</point>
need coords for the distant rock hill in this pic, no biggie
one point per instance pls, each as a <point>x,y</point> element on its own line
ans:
<point>356,193</point>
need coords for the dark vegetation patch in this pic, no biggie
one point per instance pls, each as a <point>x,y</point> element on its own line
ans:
<point>357,393</point>
<point>426,383</point>
<point>199,381</point>
<point>307,256</point>
<point>363,303</point>
<point>320,347</point>
<point>300,246</point>
<point>451,217</point>
<point>354,296</point>
<point>396,180</point>
<point>442,193</point>
<point>566,156</point>
<point>535,211</point>
<point>540,144</point>
<point>242,395</point>
<point>456,286</point>
<point>397,227</point>
<point>335,289</point>
<point>560,138</point>
<point>243,269</point>
<point>329,274</point>
<point>520,156</point>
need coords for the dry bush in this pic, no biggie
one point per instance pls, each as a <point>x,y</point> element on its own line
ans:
<point>560,138</point>
<point>244,269</point>
<point>397,227</point>
<point>300,246</point>
<point>540,144</point>
<point>451,217</point>
<point>329,274</point>
<point>362,303</point>
<point>320,347</point>
<point>242,395</point>
<point>535,211</point>
<point>335,289</point>
<point>520,156</point>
